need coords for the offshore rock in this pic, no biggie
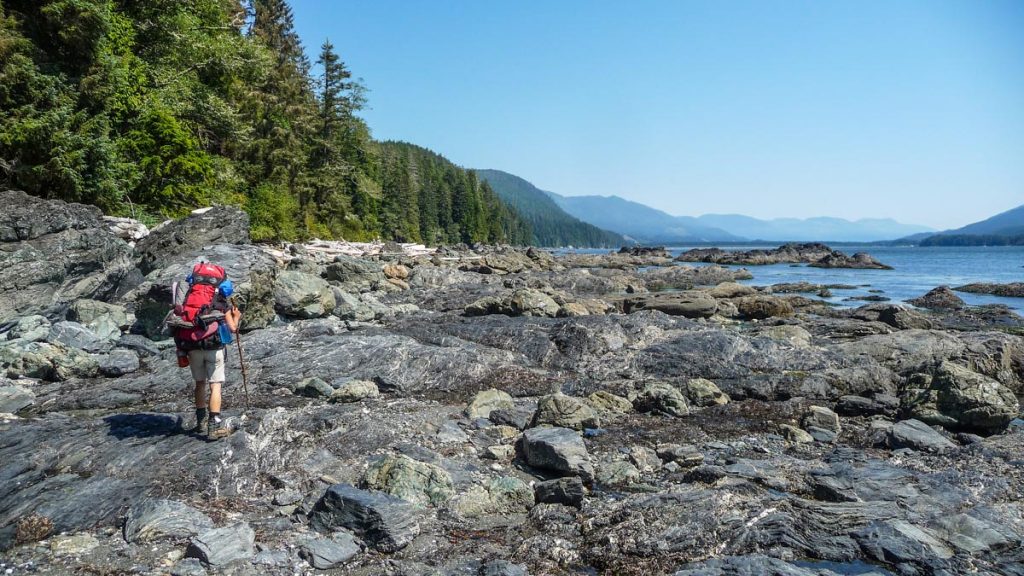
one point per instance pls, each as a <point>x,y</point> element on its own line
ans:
<point>941,298</point>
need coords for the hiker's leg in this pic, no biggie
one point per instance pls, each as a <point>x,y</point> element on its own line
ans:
<point>215,397</point>
<point>215,368</point>
<point>200,394</point>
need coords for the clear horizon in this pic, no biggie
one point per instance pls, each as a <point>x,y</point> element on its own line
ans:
<point>909,111</point>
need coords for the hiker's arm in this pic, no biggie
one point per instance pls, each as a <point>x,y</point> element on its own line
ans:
<point>234,317</point>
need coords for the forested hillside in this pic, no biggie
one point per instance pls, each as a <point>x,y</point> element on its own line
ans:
<point>551,225</point>
<point>151,108</point>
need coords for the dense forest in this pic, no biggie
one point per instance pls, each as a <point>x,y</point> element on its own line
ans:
<point>973,240</point>
<point>150,108</point>
<point>551,225</point>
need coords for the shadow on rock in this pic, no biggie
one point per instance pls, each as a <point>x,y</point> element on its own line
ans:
<point>143,425</point>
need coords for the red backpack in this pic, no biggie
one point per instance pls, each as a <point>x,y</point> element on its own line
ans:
<point>198,310</point>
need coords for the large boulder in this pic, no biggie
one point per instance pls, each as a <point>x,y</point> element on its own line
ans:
<point>701,392</point>
<point>53,253</point>
<point>103,319</point>
<point>559,450</point>
<point>917,435</point>
<point>355,274</point>
<point>74,335</point>
<point>46,361</point>
<point>251,269</point>
<point>565,411</point>
<point>661,397</point>
<point>383,521</point>
<point>961,399</point>
<point>486,401</point>
<point>168,243</point>
<point>530,302</point>
<point>417,482</point>
<point>301,295</point>
<point>762,307</point>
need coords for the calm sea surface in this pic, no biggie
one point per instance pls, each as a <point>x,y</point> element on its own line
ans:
<point>917,270</point>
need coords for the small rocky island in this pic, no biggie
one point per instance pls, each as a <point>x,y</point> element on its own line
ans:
<point>492,411</point>
<point>813,254</point>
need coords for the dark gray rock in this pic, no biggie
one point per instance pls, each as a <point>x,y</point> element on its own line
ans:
<point>118,363</point>
<point>917,435</point>
<point>53,253</point>
<point>566,491</point>
<point>328,553</point>
<point>167,243</point>
<point>941,298</point>
<point>220,546</point>
<point>560,450</point>
<point>301,295</point>
<point>74,335</point>
<point>385,522</point>
<point>355,274</point>
<point>851,405</point>
<point>158,519</point>
<point>516,417</point>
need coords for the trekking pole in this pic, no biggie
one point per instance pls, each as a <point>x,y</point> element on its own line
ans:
<point>241,362</point>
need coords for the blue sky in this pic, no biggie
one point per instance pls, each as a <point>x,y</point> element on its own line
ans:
<point>911,109</point>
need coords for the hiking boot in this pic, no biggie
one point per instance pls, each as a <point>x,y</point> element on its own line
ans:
<point>217,429</point>
<point>202,422</point>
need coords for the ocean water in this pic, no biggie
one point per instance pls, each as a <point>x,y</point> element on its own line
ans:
<point>916,271</point>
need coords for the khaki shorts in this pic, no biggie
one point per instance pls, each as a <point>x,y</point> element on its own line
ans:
<point>207,365</point>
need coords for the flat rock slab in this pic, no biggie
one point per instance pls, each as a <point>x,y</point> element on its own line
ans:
<point>156,519</point>
<point>557,449</point>
<point>917,435</point>
<point>385,522</point>
<point>222,545</point>
<point>328,553</point>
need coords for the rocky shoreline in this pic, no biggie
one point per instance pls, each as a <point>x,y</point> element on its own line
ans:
<point>492,411</point>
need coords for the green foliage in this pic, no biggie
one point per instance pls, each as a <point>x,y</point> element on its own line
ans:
<point>155,107</point>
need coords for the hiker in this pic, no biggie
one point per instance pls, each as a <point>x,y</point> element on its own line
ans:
<point>205,320</point>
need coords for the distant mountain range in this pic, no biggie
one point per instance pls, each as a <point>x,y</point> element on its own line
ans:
<point>647,225</point>
<point>552,226</point>
<point>1005,228</point>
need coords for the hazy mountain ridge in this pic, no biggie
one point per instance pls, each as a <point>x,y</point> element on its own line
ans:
<point>551,225</point>
<point>648,224</point>
<point>1005,228</point>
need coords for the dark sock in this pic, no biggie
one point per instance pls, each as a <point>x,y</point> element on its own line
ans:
<point>214,416</point>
